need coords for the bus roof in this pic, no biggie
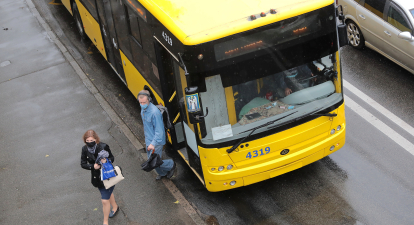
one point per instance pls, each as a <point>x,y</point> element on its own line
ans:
<point>198,21</point>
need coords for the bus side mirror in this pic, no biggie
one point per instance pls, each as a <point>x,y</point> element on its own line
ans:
<point>342,33</point>
<point>194,109</point>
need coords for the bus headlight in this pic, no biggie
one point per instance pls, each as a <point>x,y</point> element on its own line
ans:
<point>212,169</point>
<point>232,183</point>
<point>332,131</point>
<point>332,148</point>
<point>221,168</point>
<point>338,127</point>
<point>229,167</point>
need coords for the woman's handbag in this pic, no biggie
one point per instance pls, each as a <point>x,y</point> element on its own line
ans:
<point>107,170</point>
<point>114,180</point>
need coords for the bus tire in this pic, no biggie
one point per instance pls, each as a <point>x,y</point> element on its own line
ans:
<point>78,21</point>
<point>355,37</point>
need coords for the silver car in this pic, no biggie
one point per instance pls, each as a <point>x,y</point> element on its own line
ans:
<point>386,26</point>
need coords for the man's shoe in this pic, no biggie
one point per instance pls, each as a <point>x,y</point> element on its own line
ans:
<point>172,171</point>
<point>159,177</point>
<point>112,213</point>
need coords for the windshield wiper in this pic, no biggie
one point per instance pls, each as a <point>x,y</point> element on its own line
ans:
<point>230,150</point>
<point>327,114</point>
<point>303,116</point>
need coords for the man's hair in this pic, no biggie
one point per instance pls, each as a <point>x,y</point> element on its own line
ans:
<point>91,133</point>
<point>144,93</point>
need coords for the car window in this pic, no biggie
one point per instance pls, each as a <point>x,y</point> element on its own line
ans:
<point>412,12</point>
<point>375,6</point>
<point>397,20</point>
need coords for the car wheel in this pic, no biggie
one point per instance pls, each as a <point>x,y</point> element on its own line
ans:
<point>355,37</point>
<point>78,21</point>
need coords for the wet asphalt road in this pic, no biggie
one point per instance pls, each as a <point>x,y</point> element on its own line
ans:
<point>368,181</point>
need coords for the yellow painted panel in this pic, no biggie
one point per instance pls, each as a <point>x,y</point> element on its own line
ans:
<point>337,82</point>
<point>310,150</point>
<point>92,28</point>
<point>66,3</point>
<point>231,109</point>
<point>135,81</point>
<point>196,22</point>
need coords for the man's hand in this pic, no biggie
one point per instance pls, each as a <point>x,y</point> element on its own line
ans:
<point>315,77</point>
<point>151,148</point>
<point>96,166</point>
<point>288,91</point>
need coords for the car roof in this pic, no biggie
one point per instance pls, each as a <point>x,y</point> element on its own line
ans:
<point>198,21</point>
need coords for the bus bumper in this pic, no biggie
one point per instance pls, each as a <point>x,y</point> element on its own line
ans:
<point>337,140</point>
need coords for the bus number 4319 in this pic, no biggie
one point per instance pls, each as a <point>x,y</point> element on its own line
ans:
<point>256,153</point>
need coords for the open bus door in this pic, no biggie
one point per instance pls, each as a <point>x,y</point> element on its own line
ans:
<point>173,82</point>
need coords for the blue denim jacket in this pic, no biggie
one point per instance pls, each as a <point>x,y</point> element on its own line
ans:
<point>153,126</point>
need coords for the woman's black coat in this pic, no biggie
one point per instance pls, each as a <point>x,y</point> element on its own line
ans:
<point>88,160</point>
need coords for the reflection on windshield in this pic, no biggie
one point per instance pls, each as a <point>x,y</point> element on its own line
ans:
<point>255,102</point>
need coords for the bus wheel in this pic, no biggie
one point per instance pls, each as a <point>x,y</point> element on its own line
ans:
<point>78,21</point>
<point>355,37</point>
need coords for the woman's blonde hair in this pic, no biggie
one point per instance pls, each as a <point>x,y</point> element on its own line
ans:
<point>91,133</point>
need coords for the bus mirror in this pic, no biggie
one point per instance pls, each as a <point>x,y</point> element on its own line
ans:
<point>342,35</point>
<point>194,109</point>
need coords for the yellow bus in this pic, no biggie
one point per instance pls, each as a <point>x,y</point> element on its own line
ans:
<point>253,88</point>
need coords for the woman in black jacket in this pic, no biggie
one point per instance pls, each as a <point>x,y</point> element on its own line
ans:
<point>89,154</point>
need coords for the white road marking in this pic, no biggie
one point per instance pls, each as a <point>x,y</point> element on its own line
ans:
<point>379,108</point>
<point>397,138</point>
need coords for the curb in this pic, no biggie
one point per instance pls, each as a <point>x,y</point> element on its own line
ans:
<point>111,112</point>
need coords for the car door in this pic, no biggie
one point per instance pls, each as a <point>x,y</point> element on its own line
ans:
<point>370,18</point>
<point>399,49</point>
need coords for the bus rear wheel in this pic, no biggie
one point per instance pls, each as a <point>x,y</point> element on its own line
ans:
<point>78,21</point>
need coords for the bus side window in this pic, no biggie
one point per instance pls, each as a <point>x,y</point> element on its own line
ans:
<point>133,25</point>
<point>119,16</point>
<point>139,57</point>
<point>148,41</point>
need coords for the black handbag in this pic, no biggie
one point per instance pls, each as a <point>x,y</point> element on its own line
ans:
<point>153,162</point>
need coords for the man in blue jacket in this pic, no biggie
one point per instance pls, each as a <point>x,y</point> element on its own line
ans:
<point>154,133</point>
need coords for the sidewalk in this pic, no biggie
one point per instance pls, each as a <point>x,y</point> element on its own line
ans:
<point>46,104</point>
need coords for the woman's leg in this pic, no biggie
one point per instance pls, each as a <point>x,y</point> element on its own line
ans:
<point>113,203</point>
<point>106,207</point>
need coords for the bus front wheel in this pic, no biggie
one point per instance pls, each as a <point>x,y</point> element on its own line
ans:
<point>78,21</point>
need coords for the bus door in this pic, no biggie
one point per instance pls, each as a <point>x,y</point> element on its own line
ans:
<point>109,36</point>
<point>165,64</point>
<point>173,82</point>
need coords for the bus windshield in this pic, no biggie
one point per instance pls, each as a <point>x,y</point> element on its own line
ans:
<point>291,67</point>
<point>242,107</point>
